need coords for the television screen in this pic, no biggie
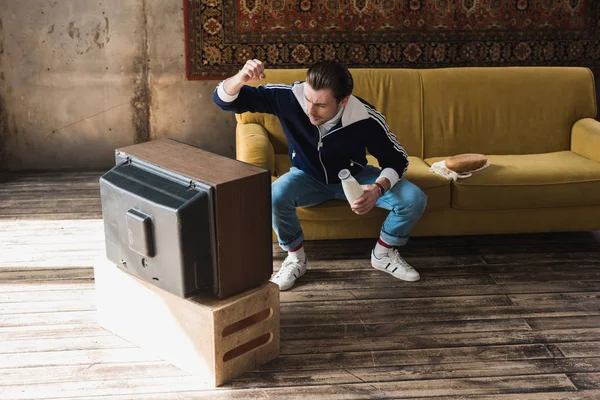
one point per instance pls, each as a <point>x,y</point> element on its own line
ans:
<point>159,226</point>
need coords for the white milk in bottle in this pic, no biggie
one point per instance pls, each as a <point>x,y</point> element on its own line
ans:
<point>352,188</point>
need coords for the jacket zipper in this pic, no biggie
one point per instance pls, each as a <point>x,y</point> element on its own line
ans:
<point>319,145</point>
<point>352,162</point>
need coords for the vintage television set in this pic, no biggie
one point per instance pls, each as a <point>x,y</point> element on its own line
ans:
<point>187,220</point>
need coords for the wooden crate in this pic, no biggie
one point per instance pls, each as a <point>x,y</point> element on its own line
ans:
<point>214,339</point>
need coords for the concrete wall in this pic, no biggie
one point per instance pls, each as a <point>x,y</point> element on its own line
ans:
<point>81,78</point>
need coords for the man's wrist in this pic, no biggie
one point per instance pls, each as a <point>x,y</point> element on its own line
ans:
<point>381,189</point>
<point>224,93</point>
<point>230,88</point>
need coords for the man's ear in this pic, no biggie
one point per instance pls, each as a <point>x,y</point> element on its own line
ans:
<point>344,101</point>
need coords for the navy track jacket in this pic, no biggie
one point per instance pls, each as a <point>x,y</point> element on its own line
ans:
<point>360,127</point>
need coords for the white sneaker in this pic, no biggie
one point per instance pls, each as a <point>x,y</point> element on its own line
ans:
<point>291,269</point>
<point>395,265</point>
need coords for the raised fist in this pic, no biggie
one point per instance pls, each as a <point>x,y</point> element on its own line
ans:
<point>253,71</point>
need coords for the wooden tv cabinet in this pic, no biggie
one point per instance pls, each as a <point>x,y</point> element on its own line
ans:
<point>242,209</point>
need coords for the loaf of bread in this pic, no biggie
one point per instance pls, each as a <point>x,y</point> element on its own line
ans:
<point>465,162</point>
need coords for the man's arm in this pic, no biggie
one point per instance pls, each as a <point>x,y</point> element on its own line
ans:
<point>234,95</point>
<point>392,159</point>
<point>390,154</point>
<point>253,71</point>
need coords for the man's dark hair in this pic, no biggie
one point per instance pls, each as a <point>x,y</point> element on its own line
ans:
<point>331,75</point>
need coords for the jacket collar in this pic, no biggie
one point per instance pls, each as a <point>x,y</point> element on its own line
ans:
<point>354,110</point>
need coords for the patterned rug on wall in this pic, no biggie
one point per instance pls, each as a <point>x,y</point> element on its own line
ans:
<point>222,34</point>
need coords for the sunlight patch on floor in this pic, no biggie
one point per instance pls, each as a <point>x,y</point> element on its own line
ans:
<point>51,243</point>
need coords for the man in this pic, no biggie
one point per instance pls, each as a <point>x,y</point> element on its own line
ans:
<point>328,129</point>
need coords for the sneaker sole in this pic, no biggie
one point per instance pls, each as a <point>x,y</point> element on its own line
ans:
<point>395,276</point>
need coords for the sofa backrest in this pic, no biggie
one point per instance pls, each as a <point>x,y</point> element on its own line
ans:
<point>396,93</point>
<point>507,110</point>
<point>442,112</point>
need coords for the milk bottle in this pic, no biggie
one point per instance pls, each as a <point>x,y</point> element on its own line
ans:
<point>352,188</point>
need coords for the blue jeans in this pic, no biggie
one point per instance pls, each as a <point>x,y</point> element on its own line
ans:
<point>296,188</point>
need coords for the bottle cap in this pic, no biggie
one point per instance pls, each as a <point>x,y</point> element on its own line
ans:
<point>344,174</point>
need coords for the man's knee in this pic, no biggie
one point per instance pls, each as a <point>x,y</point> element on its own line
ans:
<point>280,196</point>
<point>412,199</point>
<point>419,200</point>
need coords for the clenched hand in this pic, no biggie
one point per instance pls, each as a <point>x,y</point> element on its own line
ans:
<point>366,202</point>
<point>252,71</point>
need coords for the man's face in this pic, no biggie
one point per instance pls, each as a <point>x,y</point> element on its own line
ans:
<point>321,106</point>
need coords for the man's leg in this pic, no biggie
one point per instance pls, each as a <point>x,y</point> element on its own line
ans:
<point>406,203</point>
<point>293,189</point>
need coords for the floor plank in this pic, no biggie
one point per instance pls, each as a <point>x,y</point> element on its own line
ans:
<point>353,393</point>
<point>449,340</point>
<point>50,242</point>
<point>381,390</point>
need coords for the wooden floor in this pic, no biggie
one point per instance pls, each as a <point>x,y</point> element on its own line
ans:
<point>494,317</point>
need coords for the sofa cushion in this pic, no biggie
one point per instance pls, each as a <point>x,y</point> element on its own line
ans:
<point>558,179</point>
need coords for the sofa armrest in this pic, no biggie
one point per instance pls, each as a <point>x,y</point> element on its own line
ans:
<point>254,147</point>
<point>585,138</point>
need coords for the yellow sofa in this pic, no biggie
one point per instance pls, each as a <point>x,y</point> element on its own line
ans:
<point>535,124</point>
